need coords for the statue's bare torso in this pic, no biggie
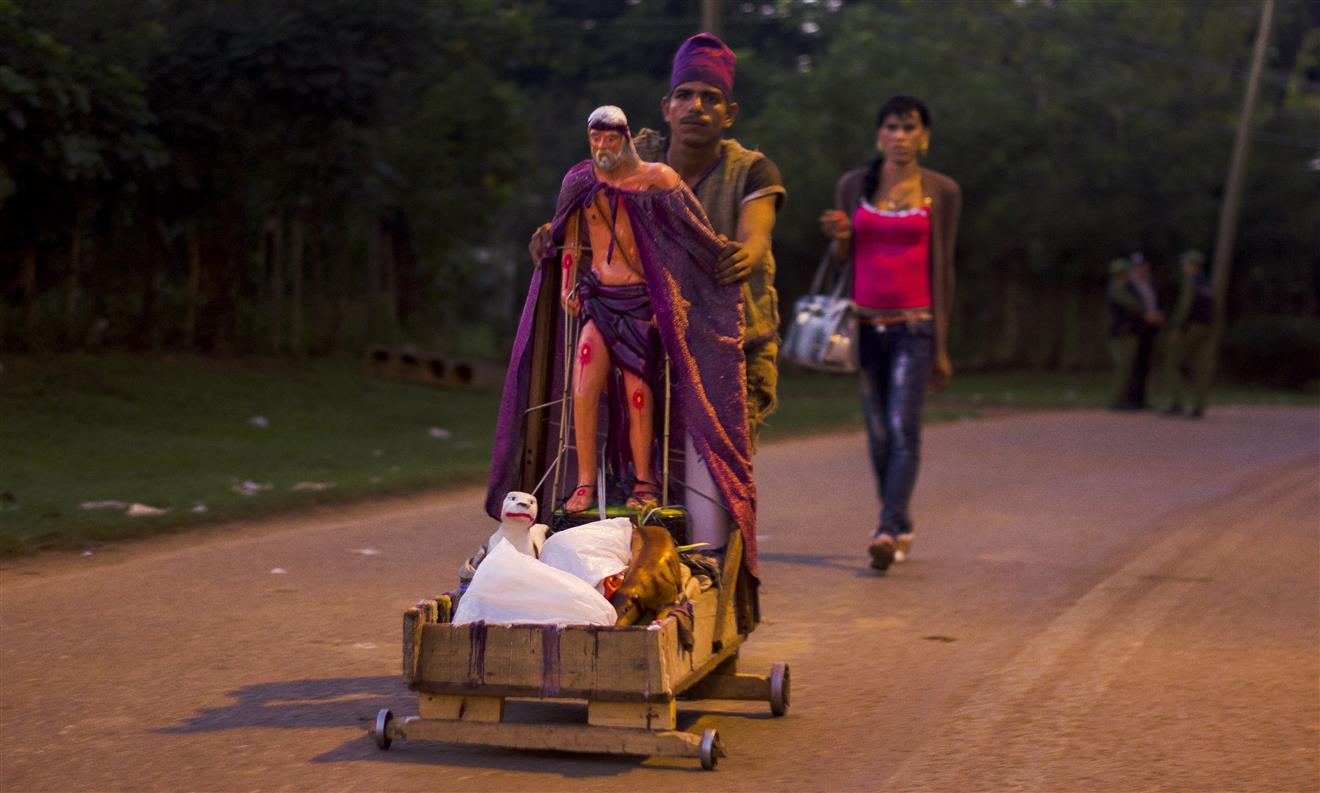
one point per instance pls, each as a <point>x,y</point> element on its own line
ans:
<point>621,265</point>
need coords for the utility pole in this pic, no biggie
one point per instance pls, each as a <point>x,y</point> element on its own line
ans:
<point>710,17</point>
<point>1232,205</point>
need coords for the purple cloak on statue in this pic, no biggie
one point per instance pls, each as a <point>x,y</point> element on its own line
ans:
<point>700,324</point>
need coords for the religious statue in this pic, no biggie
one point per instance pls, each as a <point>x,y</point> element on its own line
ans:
<point>633,257</point>
<point>618,327</point>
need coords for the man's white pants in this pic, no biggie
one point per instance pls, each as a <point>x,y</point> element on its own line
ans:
<point>708,520</point>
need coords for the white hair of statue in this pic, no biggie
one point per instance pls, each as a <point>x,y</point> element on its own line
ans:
<point>607,115</point>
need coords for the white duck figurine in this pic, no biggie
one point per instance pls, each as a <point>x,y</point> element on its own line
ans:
<point>518,524</point>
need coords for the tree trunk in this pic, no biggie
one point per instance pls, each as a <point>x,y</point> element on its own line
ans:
<point>70,331</point>
<point>192,297</point>
<point>391,267</point>
<point>975,323</point>
<point>407,282</point>
<point>1045,301</point>
<point>1006,337</point>
<point>316,281</point>
<point>374,254</point>
<point>275,270</point>
<point>339,277</point>
<point>29,279</point>
<point>149,321</point>
<point>1095,316</point>
<point>297,227</point>
<point>230,239</point>
<point>1070,343</point>
<point>239,260</point>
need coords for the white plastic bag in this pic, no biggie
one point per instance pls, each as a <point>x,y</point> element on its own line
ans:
<point>510,587</point>
<point>591,551</point>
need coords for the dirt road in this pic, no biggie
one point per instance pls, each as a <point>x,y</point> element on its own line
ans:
<point>1096,602</point>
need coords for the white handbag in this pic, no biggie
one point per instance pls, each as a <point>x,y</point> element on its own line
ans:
<point>822,333</point>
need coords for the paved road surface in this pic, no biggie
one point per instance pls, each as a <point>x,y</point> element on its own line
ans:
<point>1097,602</point>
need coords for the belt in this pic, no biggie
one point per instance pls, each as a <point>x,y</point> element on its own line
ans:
<point>900,316</point>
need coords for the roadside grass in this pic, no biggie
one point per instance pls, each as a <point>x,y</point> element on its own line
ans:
<point>181,434</point>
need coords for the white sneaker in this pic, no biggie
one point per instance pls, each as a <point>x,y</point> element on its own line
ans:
<point>903,547</point>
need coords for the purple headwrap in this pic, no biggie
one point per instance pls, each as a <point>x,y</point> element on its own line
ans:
<point>706,59</point>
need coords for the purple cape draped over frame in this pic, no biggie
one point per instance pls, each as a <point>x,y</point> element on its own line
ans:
<point>700,324</point>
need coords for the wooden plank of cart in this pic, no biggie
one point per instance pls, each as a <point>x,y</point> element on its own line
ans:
<point>631,676</point>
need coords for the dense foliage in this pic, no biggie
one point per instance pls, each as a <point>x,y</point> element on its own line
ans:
<point>315,175</point>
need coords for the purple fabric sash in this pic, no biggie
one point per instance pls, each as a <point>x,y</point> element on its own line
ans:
<point>622,314</point>
<point>699,323</point>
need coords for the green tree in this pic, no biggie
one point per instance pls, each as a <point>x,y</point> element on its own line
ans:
<point>76,143</point>
<point>1078,131</point>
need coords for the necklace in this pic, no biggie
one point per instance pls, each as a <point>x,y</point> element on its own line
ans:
<point>895,203</point>
<point>910,178</point>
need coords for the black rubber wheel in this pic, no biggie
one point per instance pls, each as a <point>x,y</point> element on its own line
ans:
<point>779,688</point>
<point>710,749</point>
<point>381,735</point>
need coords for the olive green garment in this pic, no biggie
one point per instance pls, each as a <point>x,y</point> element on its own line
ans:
<point>1189,361</point>
<point>762,385</point>
<point>722,194</point>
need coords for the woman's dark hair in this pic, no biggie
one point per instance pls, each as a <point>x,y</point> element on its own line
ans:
<point>899,105</point>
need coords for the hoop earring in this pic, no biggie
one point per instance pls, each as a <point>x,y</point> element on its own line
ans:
<point>925,149</point>
<point>880,147</point>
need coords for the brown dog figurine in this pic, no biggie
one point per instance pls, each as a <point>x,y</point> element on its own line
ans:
<point>654,579</point>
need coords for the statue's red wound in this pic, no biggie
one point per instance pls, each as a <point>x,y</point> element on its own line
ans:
<point>568,260</point>
<point>638,399</point>
<point>584,354</point>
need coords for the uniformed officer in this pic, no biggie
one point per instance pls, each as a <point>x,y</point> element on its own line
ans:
<point>1189,355</point>
<point>1132,322</point>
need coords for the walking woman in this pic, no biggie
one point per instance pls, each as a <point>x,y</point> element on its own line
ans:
<point>897,222</point>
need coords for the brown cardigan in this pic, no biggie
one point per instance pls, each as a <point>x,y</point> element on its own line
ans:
<point>945,206</point>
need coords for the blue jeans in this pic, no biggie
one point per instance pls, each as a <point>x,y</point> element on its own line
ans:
<point>895,363</point>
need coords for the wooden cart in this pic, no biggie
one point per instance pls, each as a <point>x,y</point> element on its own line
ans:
<point>631,678</point>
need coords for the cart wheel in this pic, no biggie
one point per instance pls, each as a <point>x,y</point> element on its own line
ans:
<point>381,734</point>
<point>711,750</point>
<point>779,688</point>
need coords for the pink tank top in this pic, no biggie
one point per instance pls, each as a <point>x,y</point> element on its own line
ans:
<point>891,258</point>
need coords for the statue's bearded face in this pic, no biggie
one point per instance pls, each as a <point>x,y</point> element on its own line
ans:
<point>607,148</point>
